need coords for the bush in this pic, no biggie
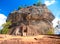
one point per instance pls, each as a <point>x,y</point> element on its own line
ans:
<point>0,31</point>
<point>5,27</point>
<point>38,3</point>
<point>50,31</point>
<point>19,7</point>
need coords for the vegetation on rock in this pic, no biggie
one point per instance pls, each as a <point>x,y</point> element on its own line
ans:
<point>19,7</point>
<point>38,3</point>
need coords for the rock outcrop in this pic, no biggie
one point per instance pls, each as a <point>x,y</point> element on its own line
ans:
<point>32,20</point>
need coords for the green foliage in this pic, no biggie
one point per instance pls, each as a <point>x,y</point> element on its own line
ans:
<point>50,31</point>
<point>5,27</point>
<point>5,30</point>
<point>19,7</point>
<point>0,31</point>
<point>38,3</point>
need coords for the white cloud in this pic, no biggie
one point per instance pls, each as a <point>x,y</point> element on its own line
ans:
<point>2,19</point>
<point>49,2</point>
<point>55,22</point>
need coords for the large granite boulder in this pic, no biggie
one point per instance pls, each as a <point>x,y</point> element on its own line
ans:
<point>32,20</point>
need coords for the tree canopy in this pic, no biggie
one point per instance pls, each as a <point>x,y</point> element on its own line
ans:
<point>5,27</point>
<point>19,7</point>
<point>38,3</point>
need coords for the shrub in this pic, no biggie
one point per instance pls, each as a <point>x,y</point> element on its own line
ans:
<point>50,31</point>
<point>19,7</point>
<point>5,27</point>
<point>38,3</point>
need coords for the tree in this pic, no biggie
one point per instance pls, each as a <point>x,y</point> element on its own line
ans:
<point>0,31</point>
<point>38,3</point>
<point>5,27</point>
<point>50,31</point>
<point>19,7</point>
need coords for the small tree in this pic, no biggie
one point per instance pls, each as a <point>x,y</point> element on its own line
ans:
<point>19,7</point>
<point>5,27</point>
<point>0,31</point>
<point>38,3</point>
<point>50,31</point>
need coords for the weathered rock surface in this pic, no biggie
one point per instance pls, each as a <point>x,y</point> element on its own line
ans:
<point>32,20</point>
<point>41,39</point>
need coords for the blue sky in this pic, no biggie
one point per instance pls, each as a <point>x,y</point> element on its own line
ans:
<point>7,6</point>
